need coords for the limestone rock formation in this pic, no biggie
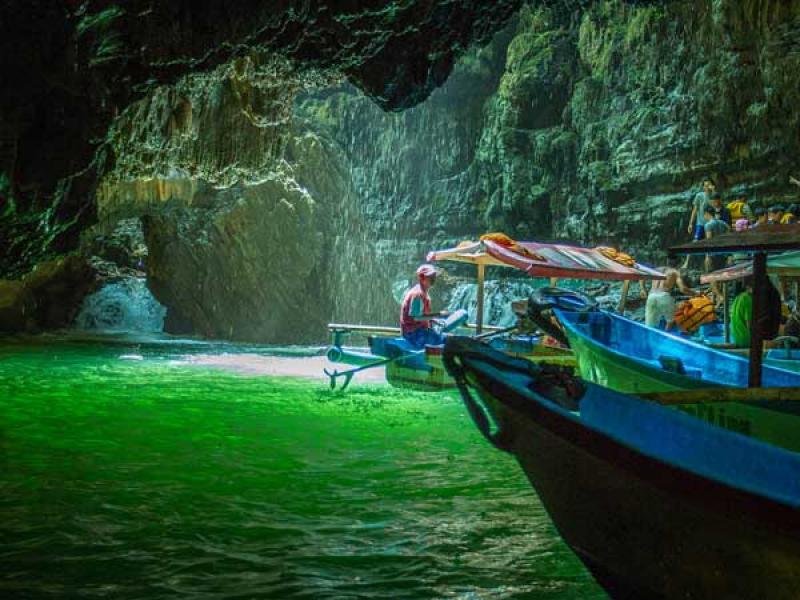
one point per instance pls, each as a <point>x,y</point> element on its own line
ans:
<point>48,297</point>
<point>589,121</point>
<point>71,67</point>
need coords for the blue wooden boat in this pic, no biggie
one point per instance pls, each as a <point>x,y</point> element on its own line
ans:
<point>630,357</point>
<point>656,503</point>
<point>421,369</point>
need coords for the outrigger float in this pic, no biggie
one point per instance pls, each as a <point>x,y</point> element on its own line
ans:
<point>422,369</point>
<point>657,503</point>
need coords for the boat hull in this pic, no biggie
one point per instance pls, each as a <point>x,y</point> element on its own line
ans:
<point>435,377</point>
<point>630,367</point>
<point>645,528</point>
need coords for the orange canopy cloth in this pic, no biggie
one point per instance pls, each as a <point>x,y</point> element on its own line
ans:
<point>562,261</point>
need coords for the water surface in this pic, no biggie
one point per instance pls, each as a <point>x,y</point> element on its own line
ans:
<point>152,470</point>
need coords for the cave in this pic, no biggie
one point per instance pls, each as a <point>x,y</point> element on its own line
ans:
<point>218,185</point>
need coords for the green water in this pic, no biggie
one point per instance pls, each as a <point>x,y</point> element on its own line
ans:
<point>127,473</point>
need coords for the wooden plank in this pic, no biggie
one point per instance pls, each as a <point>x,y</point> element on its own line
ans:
<point>704,396</point>
<point>766,238</point>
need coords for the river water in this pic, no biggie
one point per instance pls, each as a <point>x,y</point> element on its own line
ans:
<point>164,468</point>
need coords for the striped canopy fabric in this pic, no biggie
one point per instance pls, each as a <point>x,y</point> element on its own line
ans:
<point>787,265</point>
<point>548,260</point>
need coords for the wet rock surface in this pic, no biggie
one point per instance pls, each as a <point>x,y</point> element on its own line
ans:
<point>48,297</point>
<point>591,122</point>
<point>71,67</point>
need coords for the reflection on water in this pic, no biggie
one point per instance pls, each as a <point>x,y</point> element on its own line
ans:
<point>140,469</point>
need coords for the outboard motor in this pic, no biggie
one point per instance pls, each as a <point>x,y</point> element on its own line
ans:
<point>543,300</point>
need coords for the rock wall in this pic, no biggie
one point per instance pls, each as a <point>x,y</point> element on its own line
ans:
<point>273,204</point>
<point>597,127</point>
<point>591,124</point>
<point>70,67</point>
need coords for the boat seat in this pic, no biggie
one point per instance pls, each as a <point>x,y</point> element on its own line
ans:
<point>784,354</point>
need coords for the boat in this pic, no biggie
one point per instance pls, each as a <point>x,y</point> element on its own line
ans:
<point>786,266</point>
<point>659,502</point>
<point>628,356</point>
<point>656,503</point>
<point>422,368</point>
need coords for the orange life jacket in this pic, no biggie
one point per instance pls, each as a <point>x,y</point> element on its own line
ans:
<point>617,256</point>
<point>695,312</point>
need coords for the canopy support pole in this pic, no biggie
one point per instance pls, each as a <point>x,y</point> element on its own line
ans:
<point>758,318</point>
<point>626,285</point>
<point>726,315</point>
<point>479,316</point>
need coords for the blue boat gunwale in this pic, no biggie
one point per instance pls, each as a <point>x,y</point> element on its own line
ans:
<point>718,493</point>
<point>567,320</point>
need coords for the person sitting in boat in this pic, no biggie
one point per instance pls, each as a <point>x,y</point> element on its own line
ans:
<point>660,308</point>
<point>775,214</point>
<point>415,312</point>
<point>720,210</point>
<point>742,314</point>
<point>760,216</point>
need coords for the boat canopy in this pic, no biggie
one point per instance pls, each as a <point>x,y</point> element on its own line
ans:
<point>765,238</point>
<point>549,260</point>
<point>786,265</point>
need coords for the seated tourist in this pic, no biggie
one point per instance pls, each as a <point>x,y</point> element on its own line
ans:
<point>720,211</point>
<point>415,311</point>
<point>759,216</point>
<point>742,314</point>
<point>775,214</point>
<point>739,208</point>
<point>791,215</point>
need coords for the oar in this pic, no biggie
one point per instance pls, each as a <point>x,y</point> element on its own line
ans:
<point>348,375</point>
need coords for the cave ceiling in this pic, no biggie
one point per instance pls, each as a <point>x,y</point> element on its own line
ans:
<point>70,66</point>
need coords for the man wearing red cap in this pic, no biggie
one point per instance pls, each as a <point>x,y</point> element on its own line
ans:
<point>415,312</point>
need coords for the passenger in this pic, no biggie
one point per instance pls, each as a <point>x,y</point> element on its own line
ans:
<point>791,215</point>
<point>701,199</point>
<point>720,210</point>
<point>741,225</point>
<point>742,314</point>
<point>739,208</point>
<point>714,262</point>
<point>415,311</point>
<point>760,216</point>
<point>792,330</point>
<point>775,214</point>
<point>660,308</point>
